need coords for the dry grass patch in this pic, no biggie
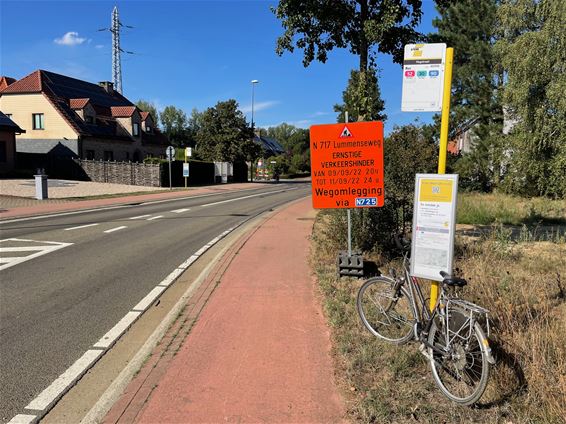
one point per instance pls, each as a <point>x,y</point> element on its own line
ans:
<point>522,283</point>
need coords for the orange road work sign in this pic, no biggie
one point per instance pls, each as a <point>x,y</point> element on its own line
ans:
<point>347,165</point>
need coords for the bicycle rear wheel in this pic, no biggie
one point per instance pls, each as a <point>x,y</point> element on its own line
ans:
<point>462,371</point>
<point>384,311</point>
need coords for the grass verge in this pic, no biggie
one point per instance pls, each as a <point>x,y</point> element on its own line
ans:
<point>521,282</point>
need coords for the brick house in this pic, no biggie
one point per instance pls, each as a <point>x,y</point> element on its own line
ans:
<point>67,117</point>
<point>8,131</point>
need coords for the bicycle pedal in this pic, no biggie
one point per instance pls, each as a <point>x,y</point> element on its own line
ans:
<point>423,349</point>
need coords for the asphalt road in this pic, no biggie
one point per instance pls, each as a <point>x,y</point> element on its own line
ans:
<point>66,280</point>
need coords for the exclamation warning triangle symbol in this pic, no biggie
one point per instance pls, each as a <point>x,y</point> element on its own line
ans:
<point>345,132</point>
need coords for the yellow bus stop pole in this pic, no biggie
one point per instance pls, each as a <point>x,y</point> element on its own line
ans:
<point>434,288</point>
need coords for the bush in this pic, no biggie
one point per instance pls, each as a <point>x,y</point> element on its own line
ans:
<point>408,150</point>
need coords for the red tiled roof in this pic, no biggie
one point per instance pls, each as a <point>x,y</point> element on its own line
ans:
<point>30,84</point>
<point>78,103</point>
<point>68,94</point>
<point>144,115</point>
<point>122,111</point>
<point>5,82</point>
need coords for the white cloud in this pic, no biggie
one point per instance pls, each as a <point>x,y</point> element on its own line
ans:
<point>259,106</point>
<point>321,114</point>
<point>71,38</point>
<point>99,46</point>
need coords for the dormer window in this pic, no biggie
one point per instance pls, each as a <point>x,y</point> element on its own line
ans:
<point>148,128</point>
<point>136,129</point>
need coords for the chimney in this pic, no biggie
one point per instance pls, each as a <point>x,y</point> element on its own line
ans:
<point>108,86</point>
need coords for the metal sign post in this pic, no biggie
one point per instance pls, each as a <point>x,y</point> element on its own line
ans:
<point>188,154</point>
<point>347,172</point>
<point>349,211</point>
<point>170,152</point>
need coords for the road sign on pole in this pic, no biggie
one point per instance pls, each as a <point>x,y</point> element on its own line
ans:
<point>186,169</point>
<point>423,77</point>
<point>347,165</point>
<point>170,152</point>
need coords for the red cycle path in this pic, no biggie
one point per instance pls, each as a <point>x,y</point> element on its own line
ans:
<point>260,349</point>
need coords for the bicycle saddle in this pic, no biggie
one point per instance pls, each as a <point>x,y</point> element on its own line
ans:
<point>452,281</point>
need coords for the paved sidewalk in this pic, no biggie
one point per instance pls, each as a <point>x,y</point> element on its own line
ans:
<point>258,346</point>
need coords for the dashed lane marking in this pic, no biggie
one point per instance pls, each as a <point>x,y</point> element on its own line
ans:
<point>13,245</point>
<point>181,210</point>
<point>155,217</point>
<point>23,419</point>
<point>115,229</point>
<point>268,193</point>
<point>80,226</point>
<point>139,217</point>
<point>56,389</point>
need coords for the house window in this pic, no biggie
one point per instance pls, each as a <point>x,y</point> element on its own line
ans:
<point>38,123</point>
<point>90,154</point>
<point>89,119</point>
<point>148,128</point>
<point>136,129</point>
<point>3,156</point>
<point>108,155</point>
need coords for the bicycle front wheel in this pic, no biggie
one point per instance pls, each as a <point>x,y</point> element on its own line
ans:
<point>385,311</point>
<point>461,371</point>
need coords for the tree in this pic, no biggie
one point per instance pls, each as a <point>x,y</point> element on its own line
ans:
<point>150,107</point>
<point>470,27</point>
<point>318,26</point>
<point>224,134</point>
<point>532,54</point>
<point>362,98</point>
<point>174,123</point>
<point>408,150</point>
<point>296,143</point>
<point>194,123</point>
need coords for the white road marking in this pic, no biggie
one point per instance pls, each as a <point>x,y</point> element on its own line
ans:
<point>115,229</point>
<point>52,393</point>
<point>155,217</point>
<point>181,210</point>
<point>44,248</point>
<point>80,226</point>
<point>172,277</point>
<point>139,217</point>
<point>115,332</point>
<point>148,300</point>
<point>245,197</point>
<point>22,419</point>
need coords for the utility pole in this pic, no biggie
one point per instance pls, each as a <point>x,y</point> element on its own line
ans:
<point>115,28</point>
<point>116,50</point>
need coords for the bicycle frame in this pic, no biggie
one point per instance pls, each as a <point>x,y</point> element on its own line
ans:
<point>424,318</point>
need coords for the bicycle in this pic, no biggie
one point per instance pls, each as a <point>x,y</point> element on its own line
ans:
<point>451,335</point>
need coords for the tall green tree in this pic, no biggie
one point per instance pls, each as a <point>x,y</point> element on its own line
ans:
<point>532,54</point>
<point>318,26</point>
<point>174,122</point>
<point>224,134</point>
<point>362,98</point>
<point>471,28</point>
<point>150,107</point>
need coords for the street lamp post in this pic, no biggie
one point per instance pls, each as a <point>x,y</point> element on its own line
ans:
<point>254,82</point>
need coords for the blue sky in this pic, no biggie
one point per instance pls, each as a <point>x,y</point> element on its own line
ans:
<point>190,54</point>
